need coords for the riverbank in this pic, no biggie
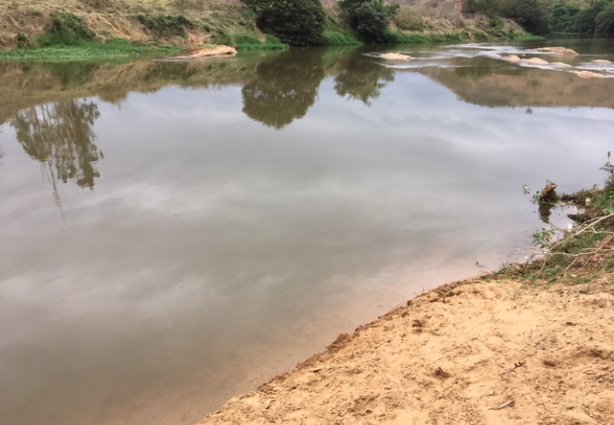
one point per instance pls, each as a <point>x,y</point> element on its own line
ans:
<point>531,344</point>
<point>91,30</point>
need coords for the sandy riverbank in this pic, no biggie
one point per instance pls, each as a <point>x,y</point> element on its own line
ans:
<point>452,357</point>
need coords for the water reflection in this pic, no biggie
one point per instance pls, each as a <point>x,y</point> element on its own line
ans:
<point>60,136</point>
<point>362,79</point>
<point>285,87</point>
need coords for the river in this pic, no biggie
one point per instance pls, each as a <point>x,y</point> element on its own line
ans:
<point>173,234</point>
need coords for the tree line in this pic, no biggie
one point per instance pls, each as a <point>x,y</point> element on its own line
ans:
<point>303,22</point>
<point>590,17</point>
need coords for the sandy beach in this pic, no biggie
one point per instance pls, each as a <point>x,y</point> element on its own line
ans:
<point>483,351</point>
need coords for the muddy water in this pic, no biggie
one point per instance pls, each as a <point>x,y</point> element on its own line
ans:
<point>173,234</point>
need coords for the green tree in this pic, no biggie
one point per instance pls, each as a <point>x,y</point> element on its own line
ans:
<point>296,22</point>
<point>532,15</point>
<point>370,18</point>
<point>605,21</point>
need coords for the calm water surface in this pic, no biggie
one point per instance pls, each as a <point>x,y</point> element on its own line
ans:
<point>175,233</point>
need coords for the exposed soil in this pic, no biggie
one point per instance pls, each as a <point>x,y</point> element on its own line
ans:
<point>477,352</point>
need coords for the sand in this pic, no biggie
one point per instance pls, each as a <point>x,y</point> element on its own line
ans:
<point>543,354</point>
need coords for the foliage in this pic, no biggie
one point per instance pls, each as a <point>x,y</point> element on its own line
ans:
<point>482,7</point>
<point>338,38</point>
<point>87,51</point>
<point>564,16</point>
<point>162,26</point>
<point>296,22</point>
<point>250,42</point>
<point>532,15</point>
<point>408,20</point>
<point>605,21</point>
<point>370,18</point>
<point>66,29</point>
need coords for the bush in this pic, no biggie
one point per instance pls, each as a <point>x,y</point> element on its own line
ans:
<point>532,15</point>
<point>408,20</point>
<point>66,29</point>
<point>165,25</point>
<point>370,18</point>
<point>605,21</point>
<point>563,17</point>
<point>296,22</point>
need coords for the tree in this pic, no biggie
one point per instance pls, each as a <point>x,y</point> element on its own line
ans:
<point>370,18</point>
<point>296,22</point>
<point>605,21</point>
<point>532,15</point>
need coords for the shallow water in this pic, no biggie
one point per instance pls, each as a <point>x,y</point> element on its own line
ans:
<point>176,233</point>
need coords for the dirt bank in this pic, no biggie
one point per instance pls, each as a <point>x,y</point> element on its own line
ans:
<point>452,357</point>
<point>530,345</point>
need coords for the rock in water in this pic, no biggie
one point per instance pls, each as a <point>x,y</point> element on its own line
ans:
<point>557,51</point>
<point>588,74</point>
<point>396,57</point>
<point>511,58</point>
<point>210,51</point>
<point>534,61</point>
<point>602,62</point>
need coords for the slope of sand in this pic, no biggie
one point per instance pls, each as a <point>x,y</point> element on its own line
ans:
<point>452,356</point>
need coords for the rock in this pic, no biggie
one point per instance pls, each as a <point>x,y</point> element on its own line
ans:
<point>511,58</point>
<point>210,51</point>
<point>396,57</point>
<point>561,64</point>
<point>588,74</point>
<point>557,51</point>
<point>602,62</point>
<point>534,61</point>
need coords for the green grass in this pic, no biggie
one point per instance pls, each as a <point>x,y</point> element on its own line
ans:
<point>87,51</point>
<point>340,38</point>
<point>404,38</point>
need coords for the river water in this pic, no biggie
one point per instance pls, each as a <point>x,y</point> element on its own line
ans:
<point>173,234</point>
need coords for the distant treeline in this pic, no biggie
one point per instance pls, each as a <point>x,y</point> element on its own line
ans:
<point>591,17</point>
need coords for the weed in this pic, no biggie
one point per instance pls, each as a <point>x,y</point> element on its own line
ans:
<point>162,26</point>
<point>87,51</point>
<point>338,38</point>
<point>66,29</point>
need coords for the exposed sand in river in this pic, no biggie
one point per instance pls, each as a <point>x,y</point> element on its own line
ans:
<point>544,355</point>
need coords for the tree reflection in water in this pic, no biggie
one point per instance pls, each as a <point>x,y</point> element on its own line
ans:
<point>60,136</point>
<point>285,87</point>
<point>362,79</point>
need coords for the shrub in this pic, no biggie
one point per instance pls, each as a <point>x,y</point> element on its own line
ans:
<point>532,15</point>
<point>605,21</point>
<point>165,25</point>
<point>370,18</point>
<point>408,20</point>
<point>296,22</point>
<point>66,29</point>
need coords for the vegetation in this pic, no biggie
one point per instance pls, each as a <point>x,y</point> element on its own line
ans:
<point>370,18</point>
<point>87,51</point>
<point>296,22</point>
<point>162,26</point>
<point>583,253</point>
<point>65,30</point>
<point>533,15</point>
